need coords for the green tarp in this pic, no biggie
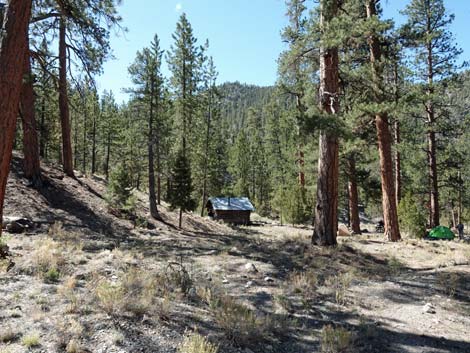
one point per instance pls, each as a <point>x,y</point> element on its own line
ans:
<point>441,232</point>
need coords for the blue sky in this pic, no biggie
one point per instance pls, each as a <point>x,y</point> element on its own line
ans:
<point>244,35</point>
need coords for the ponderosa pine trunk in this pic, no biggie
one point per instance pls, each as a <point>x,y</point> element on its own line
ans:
<point>31,163</point>
<point>353,196</point>
<point>397,138</point>
<point>397,163</point>
<point>384,137</point>
<point>67,157</point>
<point>13,48</point>
<point>326,209</point>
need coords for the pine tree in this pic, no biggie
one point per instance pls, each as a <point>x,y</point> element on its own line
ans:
<point>181,187</point>
<point>146,75</point>
<point>384,137</point>
<point>326,209</point>
<point>427,32</point>
<point>185,65</point>
<point>12,56</point>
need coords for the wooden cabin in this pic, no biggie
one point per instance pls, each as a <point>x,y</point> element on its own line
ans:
<point>235,210</point>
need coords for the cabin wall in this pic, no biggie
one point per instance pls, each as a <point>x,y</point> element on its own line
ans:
<point>235,217</point>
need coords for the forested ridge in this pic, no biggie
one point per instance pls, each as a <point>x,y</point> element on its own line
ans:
<point>128,226</point>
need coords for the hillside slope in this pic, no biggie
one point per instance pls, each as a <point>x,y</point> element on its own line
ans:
<point>87,281</point>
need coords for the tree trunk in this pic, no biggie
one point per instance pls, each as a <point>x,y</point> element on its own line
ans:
<point>42,128</point>
<point>206,152</point>
<point>31,164</point>
<point>434,191</point>
<point>353,196</point>
<point>93,145</point>
<point>108,155</point>
<point>151,171</point>
<point>460,209</point>
<point>432,160</point>
<point>180,221</point>
<point>13,47</point>
<point>326,209</point>
<point>67,158</point>
<point>397,163</point>
<point>85,145</point>
<point>389,205</point>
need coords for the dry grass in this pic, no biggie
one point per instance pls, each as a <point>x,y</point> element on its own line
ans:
<point>448,283</point>
<point>31,340</point>
<point>340,285</point>
<point>336,340</point>
<point>195,343</point>
<point>47,260</point>
<point>8,335</point>
<point>137,292</point>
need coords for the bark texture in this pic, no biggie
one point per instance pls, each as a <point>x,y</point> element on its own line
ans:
<point>13,47</point>
<point>31,163</point>
<point>67,157</point>
<point>384,137</point>
<point>326,209</point>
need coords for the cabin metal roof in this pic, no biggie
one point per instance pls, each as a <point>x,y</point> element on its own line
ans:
<point>231,204</point>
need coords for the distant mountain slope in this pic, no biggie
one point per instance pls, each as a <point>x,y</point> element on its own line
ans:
<point>238,98</point>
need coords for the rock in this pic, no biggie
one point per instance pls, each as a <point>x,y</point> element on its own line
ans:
<point>429,308</point>
<point>268,279</point>
<point>14,228</point>
<point>343,231</point>
<point>17,224</point>
<point>249,284</point>
<point>234,251</point>
<point>248,350</point>
<point>225,281</point>
<point>250,268</point>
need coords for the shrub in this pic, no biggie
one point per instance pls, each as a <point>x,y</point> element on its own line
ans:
<point>110,297</point>
<point>411,217</point>
<point>335,340</point>
<point>119,187</point>
<point>195,343</point>
<point>47,259</point>
<point>340,285</point>
<point>293,204</point>
<point>31,340</point>
<point>240,324</point>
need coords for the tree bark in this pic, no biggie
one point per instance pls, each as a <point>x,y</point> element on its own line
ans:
<point>384,137</point>
<point>31,163</point>
<point>397,163</point>
<point>67,158</point>
<point>180,221</point>
<point>108,156</point>
<point>326,209</point>
<point>13,47</point>
<point>353,196</point>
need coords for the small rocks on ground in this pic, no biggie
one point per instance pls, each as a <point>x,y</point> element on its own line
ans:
<point>249,267</point>
<point>429,308</point>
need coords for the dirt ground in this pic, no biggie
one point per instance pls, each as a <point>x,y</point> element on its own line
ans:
<point>79,276</point>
